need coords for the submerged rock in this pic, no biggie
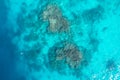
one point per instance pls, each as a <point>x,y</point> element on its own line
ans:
<point>57,23</point>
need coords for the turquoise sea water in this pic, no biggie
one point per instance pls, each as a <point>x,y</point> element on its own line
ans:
<point>64,39</point>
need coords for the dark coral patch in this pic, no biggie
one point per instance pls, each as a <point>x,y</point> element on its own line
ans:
<point>110,65</point>
<point>93,15</point>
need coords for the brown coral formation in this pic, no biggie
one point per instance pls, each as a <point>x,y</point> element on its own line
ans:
<point>57,23</point>
<point>73,55</point>
<point>70,54</point>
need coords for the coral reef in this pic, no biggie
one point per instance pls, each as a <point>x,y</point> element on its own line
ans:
<point>66,53</point>
<point>110,65</point>
<point>93,15</point>
<point>57,23</point>
<point>31,56</point>
<point>31,37</point>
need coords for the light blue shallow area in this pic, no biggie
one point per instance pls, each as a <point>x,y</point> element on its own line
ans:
<point>95,26</point>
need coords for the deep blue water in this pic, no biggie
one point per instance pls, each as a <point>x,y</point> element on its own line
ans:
<point>7,54</point>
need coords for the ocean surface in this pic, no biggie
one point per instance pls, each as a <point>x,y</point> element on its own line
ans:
<point>60,40</point>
